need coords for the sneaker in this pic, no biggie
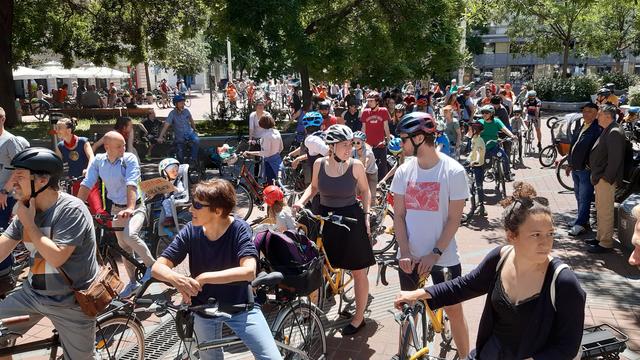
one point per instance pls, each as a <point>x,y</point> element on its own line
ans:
<point>577,230</point>
<point>146,276</point>
<point>129,290</point>
<point>597,249</point>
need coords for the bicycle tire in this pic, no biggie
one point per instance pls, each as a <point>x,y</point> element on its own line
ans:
<point>40,113</point>
<point>563,179</point>
<point>503,180</point>
<point>118,337</point>
<point>108,258</point>
<point>552,121</point>
<point>244,202</point>
<point>446,336</point>
<point>387,243</point>
<point>187,102</point>
<point>548,156</point>
<point>301,322</point>
<point>409,347</point>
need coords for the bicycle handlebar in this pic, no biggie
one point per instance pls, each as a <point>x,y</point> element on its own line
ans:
<point>332,218</point>
<point>382,269</point>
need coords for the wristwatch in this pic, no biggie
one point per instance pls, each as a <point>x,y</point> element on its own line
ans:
<point>437,251</point>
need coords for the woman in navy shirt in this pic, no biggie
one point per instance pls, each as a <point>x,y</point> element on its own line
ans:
<point>222,262</point>
<point>523,317</point>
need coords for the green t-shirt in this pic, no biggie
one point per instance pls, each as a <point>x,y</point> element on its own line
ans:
<point>490,132</point>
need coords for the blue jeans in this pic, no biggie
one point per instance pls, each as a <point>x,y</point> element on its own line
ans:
<point>250,326</point>
<point>583,190</point>
<point>478,174</point>
<point>195,144</point>
<point>505,159</point>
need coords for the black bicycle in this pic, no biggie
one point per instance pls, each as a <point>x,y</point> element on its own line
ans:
<point>108,248</point>
<point>496,172</point>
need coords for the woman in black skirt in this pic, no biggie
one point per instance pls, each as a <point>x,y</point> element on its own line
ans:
<point>337,177</point>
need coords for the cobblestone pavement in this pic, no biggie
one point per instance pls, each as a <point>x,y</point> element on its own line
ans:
<point>612,286</point>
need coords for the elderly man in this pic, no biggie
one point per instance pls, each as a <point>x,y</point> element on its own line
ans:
<point>606,162</point>
<point>581,144</point>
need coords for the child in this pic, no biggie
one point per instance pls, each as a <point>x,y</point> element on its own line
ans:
<point>518,127</point>
<point>442,141</point>
<point>278,210</point>
<point>169,169</point>
<point>363,152</point>
<point>476,160</point>
<point>395,149</point>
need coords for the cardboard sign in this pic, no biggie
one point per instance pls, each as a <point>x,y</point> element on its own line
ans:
<point>155,186</point>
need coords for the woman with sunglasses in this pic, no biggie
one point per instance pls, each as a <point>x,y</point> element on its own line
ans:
<point>337,178</point>
<point>363,152</point>
<point>222,262</point>
<point>535,305</point>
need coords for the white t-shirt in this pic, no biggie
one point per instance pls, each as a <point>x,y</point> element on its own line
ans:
<point>426,198</point>
<point>316,145</point>
<point>254,128</point>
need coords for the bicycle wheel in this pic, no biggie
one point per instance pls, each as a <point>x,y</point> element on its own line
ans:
<point>40,113</point>
<point>552,121</point>
<point>445,336</point>
<point>417,322</point>
<point>300,332</point>
<point>244,202</point>
<point>384,235</point>
<point>187,102</point>
<point>163,243</point>
<point>548,156</point>
<point>502,179</point>
<point>348,292</point>
<point>565,180</point>
<point>119,337</point>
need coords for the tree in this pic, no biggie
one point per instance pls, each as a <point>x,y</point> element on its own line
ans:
<point>371,41</point>
<point>547,26</point>
<point>103,31</point>
<point>184,55</point>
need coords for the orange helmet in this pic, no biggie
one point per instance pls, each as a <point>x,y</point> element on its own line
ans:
<point>272,194</point>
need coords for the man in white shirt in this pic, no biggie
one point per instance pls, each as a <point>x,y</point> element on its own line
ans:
<point>430,190</point>
<point>255,131</point>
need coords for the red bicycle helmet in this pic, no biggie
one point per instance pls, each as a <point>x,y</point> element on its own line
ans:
<point>272,194</point>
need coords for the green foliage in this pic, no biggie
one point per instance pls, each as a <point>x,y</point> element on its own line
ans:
<point>182,54</point>
<point>634,95</point>
<point>572,89</point>
<point>622,30</point>
<point>622,81</point>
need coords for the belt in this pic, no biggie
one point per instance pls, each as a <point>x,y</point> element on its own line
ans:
<point>138,202</point>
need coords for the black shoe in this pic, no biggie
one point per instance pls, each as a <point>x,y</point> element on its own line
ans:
<point>482,211</point>
<point>592,241</point>
<point>351,330</point>
<point>597,249</point>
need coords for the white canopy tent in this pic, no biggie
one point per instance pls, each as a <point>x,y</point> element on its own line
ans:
<point>54,69</point>
<point>25,73</point>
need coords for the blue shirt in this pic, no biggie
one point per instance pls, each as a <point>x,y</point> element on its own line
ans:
<point>446,145</point>
<point>214,255</point>
<point>116,176</point>
<point>180,122</point>
<point>76,158</point>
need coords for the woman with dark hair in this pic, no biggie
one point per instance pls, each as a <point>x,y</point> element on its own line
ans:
<point>270,148</point>
<point>124,125</point>
<point>535,305</point>
<point>222,262</point>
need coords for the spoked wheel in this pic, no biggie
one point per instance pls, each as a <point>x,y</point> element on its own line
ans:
<point>561,174</point>
<point>244,202</point>
<point>301,332</point>
<point>446,337</point>
<point>552,121</point>
<point>384,235</point>
<point>548,156</point>
<point>119,337</point>
<point>410,345</point>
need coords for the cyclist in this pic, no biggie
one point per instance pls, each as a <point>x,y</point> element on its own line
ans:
<point>429,195</point>
<point>9,147</point>
<point>120,175</point>
<point>277,210</point>
<point>164,92</point>
<point>324,107</point>
<point>58,231</point>
<point>400,110</point>
<point>351,116</point>
<point>518,127</point>
<point>184,129</point>
<point>232,93</point>
<point>533,104</point>
<point>270,148</point>
<point>313,146</point>
<point>363,152</point>
<point>606,96</point>
<point>526,314</point>
<point>476,161</point>
<point>492,127</point>
<point>375,124</point>
<point>442,140</point>
<point>222,261</point>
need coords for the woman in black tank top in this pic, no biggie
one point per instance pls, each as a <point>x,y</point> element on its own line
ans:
<point>336,178</point>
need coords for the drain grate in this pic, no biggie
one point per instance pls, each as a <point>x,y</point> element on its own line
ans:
<point>160,341</point>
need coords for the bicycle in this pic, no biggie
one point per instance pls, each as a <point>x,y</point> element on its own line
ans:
<point>566,180</point>
<point>496,171</point>
<point>248,190</point>
<point>515,157</point>
<point>549,154</point>
<point>295,320</point>
<point>381,221</point>
<point>108,248</point>
<point>334,282</point>
<point>528,141</point>
<point>419,324</point>
<point>291,181</point>
<point>118,336</point>
<point>471,207</point>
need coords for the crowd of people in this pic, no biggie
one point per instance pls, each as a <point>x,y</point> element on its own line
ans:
<point>344,140</point>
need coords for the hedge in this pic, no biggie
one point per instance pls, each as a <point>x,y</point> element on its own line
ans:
<point>573,89</point>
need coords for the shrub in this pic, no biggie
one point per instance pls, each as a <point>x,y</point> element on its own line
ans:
<point>634,95</point>
<point>574,89</point>
<point>621,81</point>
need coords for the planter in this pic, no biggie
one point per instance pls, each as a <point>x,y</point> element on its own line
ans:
<point>562,106</point>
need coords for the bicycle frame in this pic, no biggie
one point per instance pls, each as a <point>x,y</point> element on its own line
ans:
<point>50,343</point>
<point>327,270</point>
<point>251,181</point>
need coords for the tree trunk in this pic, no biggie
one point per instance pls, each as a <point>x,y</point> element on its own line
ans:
<point>7,90</point>
<point>565,60</point>
<point>617,66</point>
<point>306,88</point>
<point>146,73</point>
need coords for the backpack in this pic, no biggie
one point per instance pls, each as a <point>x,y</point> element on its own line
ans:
<point>293,255</point>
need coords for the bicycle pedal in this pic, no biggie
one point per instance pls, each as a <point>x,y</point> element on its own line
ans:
<point>345,314</point>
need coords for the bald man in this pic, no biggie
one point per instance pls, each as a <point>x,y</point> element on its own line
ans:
<point>120,174</point>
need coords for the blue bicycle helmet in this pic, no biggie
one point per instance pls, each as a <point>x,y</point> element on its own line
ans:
<point>177,99</point>
<point>360,135</point>
<point>634,110</point>
<point>395,146</point>
<point>416,121</point>
<point>312,118</point>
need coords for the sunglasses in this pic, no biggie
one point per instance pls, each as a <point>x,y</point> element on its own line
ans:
<point>198,205</point>
<point>356,143</point>
<point>404,139</point>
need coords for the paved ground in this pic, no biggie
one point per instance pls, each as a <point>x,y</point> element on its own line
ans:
<point>613,287</point>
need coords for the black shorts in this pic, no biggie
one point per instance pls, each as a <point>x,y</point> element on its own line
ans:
<point>409,282</point>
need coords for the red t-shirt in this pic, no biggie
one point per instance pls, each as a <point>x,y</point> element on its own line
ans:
<point>330,120</point>
<point>374,121</point>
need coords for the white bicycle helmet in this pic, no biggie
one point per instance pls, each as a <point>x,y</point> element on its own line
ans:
<point>441,126</point>
<point>338,133</point>
<point>165,163</point>
<point>532,93</point>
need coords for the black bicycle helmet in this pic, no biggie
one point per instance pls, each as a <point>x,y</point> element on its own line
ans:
<point>416,121</point>
<point>324,105</point>
<point>604,92</point>
<point>40,161</point>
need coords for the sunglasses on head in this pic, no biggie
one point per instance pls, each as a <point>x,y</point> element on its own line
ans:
<point>198,205</point>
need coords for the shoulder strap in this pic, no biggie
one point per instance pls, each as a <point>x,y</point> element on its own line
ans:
<point>503,256</point>
<point>556,272</point>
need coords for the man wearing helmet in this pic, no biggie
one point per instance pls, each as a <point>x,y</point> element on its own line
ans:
<point>327,119</point>
<point>58,231</point>
<point>430,190</point>
<point>184,129</point>
<point>375,124</point>
<point>532,105</point>
<point>120,174</point>
<point>606,96</point>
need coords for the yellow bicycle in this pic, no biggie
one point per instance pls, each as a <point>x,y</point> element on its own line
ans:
<point>419,324</point>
